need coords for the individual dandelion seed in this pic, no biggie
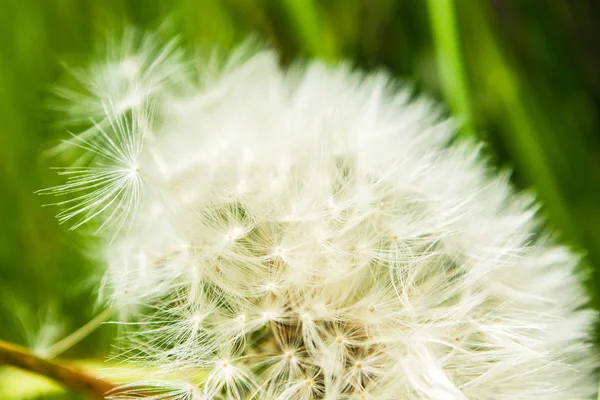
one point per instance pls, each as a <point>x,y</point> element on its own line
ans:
<point>111,185</point>
<point>318,233</point>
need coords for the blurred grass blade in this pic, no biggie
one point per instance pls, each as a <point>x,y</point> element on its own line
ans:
<point>307,19</point>
<point>451,70</point>
<point>525,129</point>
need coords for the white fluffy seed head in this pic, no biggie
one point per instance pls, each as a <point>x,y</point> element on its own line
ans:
<point>310,233</point>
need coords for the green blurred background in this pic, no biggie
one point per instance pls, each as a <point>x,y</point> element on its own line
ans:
<point>523,75</point>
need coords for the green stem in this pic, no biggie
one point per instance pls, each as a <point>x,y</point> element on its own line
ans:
<point>66,343</point>
<point>67,375</point>
<point>442,18</point>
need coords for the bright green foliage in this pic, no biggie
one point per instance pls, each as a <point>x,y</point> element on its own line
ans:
<point>521,75</point>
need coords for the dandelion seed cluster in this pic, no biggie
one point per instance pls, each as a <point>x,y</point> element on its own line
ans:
<point>314,233</point>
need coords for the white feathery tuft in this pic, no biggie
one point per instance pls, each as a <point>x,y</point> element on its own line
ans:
<point>316,233</point>
<point>131,70</point>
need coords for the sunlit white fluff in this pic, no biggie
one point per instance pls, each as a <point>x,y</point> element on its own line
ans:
<point>315,232</point>
<point>111,184</point>
<point>130,70</point>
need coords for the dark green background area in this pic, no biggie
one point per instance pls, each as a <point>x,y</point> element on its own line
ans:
<point>531,90</point>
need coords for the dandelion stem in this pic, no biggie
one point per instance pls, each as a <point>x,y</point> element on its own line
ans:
<point>69,376</point>
<point>71,340</point>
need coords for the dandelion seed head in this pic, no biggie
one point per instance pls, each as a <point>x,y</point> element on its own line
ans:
<point>314,233</point>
